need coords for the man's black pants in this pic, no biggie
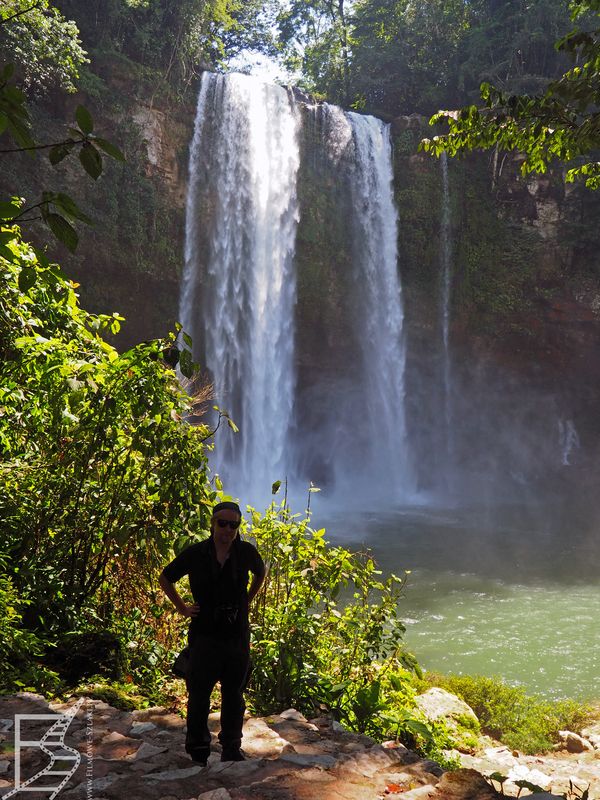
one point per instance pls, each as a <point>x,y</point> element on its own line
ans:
<point>216,660</point>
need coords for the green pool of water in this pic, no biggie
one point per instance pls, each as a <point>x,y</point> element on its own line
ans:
<point>511,592</point>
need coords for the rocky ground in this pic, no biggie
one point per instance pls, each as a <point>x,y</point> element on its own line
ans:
<point>139,755</point>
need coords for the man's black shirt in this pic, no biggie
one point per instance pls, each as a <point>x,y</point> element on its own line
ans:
<point>220,592</point>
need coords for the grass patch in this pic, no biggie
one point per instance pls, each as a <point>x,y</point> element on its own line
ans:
<point>116,695</point>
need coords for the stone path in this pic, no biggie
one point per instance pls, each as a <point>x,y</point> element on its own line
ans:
<point>139,755</point>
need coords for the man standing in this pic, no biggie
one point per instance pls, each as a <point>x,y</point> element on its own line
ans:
<point>219,635</point>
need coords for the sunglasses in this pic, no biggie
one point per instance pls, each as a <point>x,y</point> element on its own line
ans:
<point>224,523</point>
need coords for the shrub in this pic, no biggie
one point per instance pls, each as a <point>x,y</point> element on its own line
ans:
<point>326,633</point>
<point>523,722</point>
<point>99,476</point>
<point>21,650</point>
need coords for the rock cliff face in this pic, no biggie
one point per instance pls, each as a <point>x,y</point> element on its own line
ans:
<point>524,290</point>
<point>138,275</point>
<point>165,136</point>
<point>130,259</point>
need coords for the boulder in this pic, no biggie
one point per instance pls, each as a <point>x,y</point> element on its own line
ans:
<point>465,784</point>
<point>215,794</point>
<point>573,743</point>
<point>263,742</point>
<point>592,734</point>
<point>438,704</point>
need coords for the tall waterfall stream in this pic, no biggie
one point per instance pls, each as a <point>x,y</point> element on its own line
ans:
<point>245,153</point>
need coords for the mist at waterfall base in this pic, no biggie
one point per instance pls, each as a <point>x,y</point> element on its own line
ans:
<point>439,460</point>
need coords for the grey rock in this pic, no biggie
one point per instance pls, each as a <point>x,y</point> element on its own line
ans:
<point>574,743</point>
<point>591,733</point>
<point>174,774</point>
<point>309,760</point>
<point>437,704</point>
<point>215,794</point>
<point>293,715</point>
<point>433,767</point>
<point>143,714</point>
<point>96,786</point>
<point>546,796</point>
<point>369,762</point>
<point>238,771</point>
<point>420,793</point>
<point>337,727</point>
<point>140,728</point>
<point>148,751</point>
<point>263,742</point>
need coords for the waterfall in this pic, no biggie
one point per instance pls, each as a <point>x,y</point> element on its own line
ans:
<point>241,220</point>
<point>446,276</point>
<point>380,313</point>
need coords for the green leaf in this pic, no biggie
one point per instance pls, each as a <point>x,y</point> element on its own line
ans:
<point>63,231</point>
<point>275,487</point>
<point>27,278</point>
<point>70,207</point>
<point>91,160</point>
<point>14,95</point>
<point>414,726</point>
<point>84,120</point>
<point>186,365</point>
<point>9,209</point>
<point>58,152</point>
<point>19,131</point>
<point>109,148</point>
<point>232,425</point>
<point>187,339</point>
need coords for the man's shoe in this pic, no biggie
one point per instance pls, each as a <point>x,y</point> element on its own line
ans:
<point>199,755</point>
<point>232,754</point>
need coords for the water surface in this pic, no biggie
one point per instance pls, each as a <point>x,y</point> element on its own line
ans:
<point>512,591</point>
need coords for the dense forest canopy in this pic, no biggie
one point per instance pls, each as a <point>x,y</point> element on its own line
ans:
<point>382,55</point>
<point>395,55</point>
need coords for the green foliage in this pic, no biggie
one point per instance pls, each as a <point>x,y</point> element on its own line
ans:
<point>562,123</point>
<point>42,42</point>
<point>405,55</point>
<point>99,474</point>
<point>19,648</point>
<point>523,722</point>
<point>326,632</point>
<point>171,38</point>
<point>396,56</point>
<point>511,44</point>
<point>314,38</point>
